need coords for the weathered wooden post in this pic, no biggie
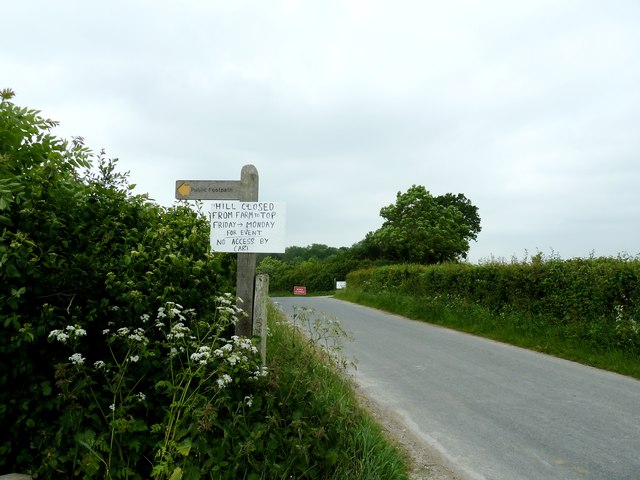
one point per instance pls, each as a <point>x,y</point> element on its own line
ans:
<point>260,307</point>
<point>246,261</point>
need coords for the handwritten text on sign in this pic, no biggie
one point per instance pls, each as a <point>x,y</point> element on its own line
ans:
<point>247,227</point>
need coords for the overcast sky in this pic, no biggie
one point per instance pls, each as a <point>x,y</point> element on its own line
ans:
<point>530,108</point>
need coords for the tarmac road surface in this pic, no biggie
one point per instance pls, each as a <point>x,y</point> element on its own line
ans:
<point>493,411</point>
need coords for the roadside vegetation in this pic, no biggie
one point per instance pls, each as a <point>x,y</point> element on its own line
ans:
<point>418,227</point>
<point>586,310</point>
<point>117,353</point>
<point>582,309</point>
<point>331,437</point>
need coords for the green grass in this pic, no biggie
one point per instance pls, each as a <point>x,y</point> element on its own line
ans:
<point>317,408</point>
<point>516,328</point>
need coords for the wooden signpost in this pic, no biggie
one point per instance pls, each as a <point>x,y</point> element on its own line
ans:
<point>245,190</point>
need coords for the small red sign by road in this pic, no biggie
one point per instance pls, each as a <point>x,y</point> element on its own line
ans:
<point>299,290</point>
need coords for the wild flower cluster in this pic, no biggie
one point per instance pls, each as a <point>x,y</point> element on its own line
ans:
<point>627,328</point>
<point>155,389</point>
<point>324,332</point>
<point>72,332</point>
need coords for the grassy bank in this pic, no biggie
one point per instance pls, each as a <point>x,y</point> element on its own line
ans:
<point>316,408</point>
<point>534,332</point>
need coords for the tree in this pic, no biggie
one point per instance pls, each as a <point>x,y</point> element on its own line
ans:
<point>421,228</point>
<point>317,267</point>
<point>468,210</point>
<point>295,255</point>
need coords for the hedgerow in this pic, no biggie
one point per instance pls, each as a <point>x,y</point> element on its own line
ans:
<point>79,251</point>
<point>597,299</point>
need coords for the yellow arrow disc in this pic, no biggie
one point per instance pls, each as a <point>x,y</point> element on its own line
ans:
<point>184,189</point>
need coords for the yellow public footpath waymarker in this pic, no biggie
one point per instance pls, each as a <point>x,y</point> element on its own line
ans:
<point>183,190</point>
<point>209,190</point>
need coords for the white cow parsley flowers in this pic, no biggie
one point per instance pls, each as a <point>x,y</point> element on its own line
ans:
<point>70,332</point>
<point>224,380</point>
<point>173,338</point>
<point>76,359</point>
<point>202,355</point>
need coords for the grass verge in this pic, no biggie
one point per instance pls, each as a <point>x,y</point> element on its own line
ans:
<point>316,409</point>
<point>516,328</point>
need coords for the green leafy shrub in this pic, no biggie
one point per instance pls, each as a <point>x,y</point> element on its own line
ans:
<point>78,248</point>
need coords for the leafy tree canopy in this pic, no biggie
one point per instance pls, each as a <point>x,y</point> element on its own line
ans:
<point>295,255</point>
<point>421,228</point>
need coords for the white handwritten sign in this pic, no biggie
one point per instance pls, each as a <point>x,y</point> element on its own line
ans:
<point>247,227</point>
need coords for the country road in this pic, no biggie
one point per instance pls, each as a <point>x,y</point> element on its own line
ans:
<point>493,411</point>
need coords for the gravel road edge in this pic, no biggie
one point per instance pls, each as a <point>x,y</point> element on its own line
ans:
<point>427,463</point>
